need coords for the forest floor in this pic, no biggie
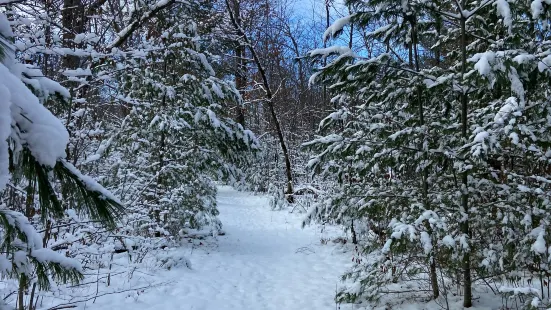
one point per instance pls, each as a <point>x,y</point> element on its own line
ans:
<point>264,261</point>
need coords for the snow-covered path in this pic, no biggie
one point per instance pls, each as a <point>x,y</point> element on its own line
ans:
<point>265,261</point>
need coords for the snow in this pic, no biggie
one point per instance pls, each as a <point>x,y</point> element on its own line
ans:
<point>86,37</point>
<point>5,132</point>
<point>43,85</point>
<point>5,28</point>
<point>426,242</point>
<point>5,266</point>
<point>524,58</point>
<point>506,110</point>
<point>537,8</point>
<point>514,138</point>
<point>464,242</point>
<point>480,137</point>
<point>504,11</point>
<point>516,85</point>
<point>324,52</point>
<point>19,221</point>
<point>154,120</point>
<point>336,27</point>
<point>483,62</point>
<point>215,122</point>
<point>90,183</point>
<point>539,245</point>
<point>382,29</point>
<point>77,72</point>
<point>519,290</point>
<point>448,241</point>
<point>44,134</point>
<point>47,255</point>
<point>332,138</point>
<point>216,89</point>
<point>545,63</point>
<point>265,261</point>
<point>204,61</point>
<point>535,302</point>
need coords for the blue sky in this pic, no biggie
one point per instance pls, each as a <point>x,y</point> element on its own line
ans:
<point>309,7</point>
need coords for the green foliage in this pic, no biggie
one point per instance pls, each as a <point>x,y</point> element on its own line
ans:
<point>23,252</point>
<point>396,145</point>
<point>177,138</point>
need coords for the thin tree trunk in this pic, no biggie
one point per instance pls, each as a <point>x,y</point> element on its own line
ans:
<point>269,102</point>
<point>351,37</point>
<point>325,46</point>
<point>467,285</point>
<point>31,300</point>
<point>424,174</point>
<point>353,232</point>
<point>162,150</point>
<point>240,68</point>
<point>21,292</point>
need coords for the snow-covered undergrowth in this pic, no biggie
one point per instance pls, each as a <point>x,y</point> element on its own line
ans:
<point>265,260</point>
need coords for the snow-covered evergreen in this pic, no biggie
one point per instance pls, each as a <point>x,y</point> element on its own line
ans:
<point>120,121</point>
<point>439,145</point>
<point>33,168</point>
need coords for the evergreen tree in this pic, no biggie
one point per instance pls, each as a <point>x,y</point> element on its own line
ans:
<point>177,139</point>
<point>32,152</point>
<point>427,143</point>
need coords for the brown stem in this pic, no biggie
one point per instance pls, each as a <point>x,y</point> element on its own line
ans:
<point>21,292</point>
<point>424,174</point>
<point>269,101</point>
<point>32,297</point>
<point>467,298</point>
<point>139,22</point>
<point>240,66</point>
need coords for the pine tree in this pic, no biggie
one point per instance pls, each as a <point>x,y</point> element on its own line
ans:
<point>433,143</point>
<point>32,151</point>
<point>177,138</point>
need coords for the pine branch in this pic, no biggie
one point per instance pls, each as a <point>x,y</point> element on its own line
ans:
<point>93,199</point>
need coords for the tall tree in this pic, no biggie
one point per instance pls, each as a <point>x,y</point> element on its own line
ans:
<point>423,140</point>
<point>269,99</point>
<point>33,150</point>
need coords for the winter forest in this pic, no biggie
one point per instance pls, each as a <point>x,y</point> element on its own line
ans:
<point>275,154</point>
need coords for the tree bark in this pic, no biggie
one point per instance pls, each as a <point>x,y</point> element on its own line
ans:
<point>21,292</point>
<point>325,46</point>
<point>269,101</point>
<point>467,285</point>
<point>240,68</point>
<point>353,232</point>
<point>424,173</point>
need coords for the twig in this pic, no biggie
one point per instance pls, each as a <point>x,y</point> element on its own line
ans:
<point>73,304</point>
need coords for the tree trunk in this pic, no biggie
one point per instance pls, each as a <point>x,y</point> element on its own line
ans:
<point>269,101</point>
<point>240,67</point>
<point>31,300</point>
<point>353,232</point>
<point>424,173</point>
<point>73,20</point>
<point>467,285</point>
<point>325,46</point>
<point>21,292</point>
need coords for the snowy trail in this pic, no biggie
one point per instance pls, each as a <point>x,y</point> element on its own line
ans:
<point>265,261</point>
